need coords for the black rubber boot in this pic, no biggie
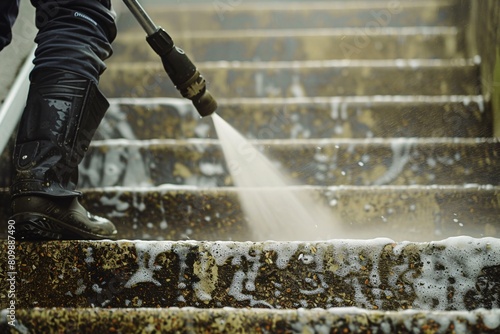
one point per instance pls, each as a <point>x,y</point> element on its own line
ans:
<point>62,113</point>
<point>43,218</point>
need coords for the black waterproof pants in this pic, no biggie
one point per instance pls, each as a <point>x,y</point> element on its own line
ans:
<point>73,35</point>
<point>64,105</point>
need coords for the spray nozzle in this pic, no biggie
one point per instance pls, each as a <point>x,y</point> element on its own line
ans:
<point>186,78</point>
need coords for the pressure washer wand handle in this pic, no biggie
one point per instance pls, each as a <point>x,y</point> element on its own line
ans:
<point>186,78</point>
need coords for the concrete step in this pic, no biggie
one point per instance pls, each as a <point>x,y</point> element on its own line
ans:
<point>415,213</point>
<point>458,274</point>
<point>303,44</point>
<point>236,15</point>
<point>299,79</point>
<point>323,162</point>
<point>239,321</point>
<point>302,118</point>
<point>312,162</point>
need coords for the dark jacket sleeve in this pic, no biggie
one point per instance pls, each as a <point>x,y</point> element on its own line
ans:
<point>8,14</point>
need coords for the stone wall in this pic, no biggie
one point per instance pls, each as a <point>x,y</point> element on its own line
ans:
<point>484,39</point>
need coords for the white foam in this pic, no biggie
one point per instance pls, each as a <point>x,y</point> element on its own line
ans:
<point>96,288</point>
<point>284,252</point>
<point>80,288</point>
<point>454,263</point>
<point>491,318</point>
<point>145,272</point>
<point>120,205</point>
<point>89,258</point>
<point>211,169</point>
<point>401,149</point>
<point>457,265</point>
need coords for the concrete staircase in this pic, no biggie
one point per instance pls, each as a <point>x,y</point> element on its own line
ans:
<point>374,107</point>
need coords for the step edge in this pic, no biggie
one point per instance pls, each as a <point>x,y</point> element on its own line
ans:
<point>464,241</point>
<point>415,63</point>
<point>309,142</point>
<point>307,32</point>
<point>315,5</point>
<point>350,310</point>
<point>173,188</point>
<point>354,99</point>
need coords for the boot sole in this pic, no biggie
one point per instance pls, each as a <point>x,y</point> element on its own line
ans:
<point>35,226</point>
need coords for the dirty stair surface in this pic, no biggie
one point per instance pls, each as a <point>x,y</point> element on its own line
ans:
<point>226,286</point>
<point>376,110</point>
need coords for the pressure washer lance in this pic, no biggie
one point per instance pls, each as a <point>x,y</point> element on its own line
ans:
<point>186,78</point>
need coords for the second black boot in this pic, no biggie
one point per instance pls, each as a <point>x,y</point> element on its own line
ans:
<point>63,111</point>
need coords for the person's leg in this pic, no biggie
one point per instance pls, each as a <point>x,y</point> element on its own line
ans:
<point>74,35</point>
<point>8,14</point>
<point>63,110</point>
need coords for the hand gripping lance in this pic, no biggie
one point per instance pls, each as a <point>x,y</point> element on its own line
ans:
<point>186,78</point>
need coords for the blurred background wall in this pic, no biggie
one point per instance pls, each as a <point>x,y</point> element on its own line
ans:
<point>484,39</point>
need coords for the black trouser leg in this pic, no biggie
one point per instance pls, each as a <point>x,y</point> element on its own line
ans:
<point>74,35</point>
<point>64,105</point>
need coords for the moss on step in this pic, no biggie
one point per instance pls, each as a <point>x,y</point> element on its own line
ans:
<point>295,45</point>
<point>315,162</point>
<point>236,321</point>
<point>300,118</point>
<point>291,79</point>
<point>416,213</point>
<point>454,274</point>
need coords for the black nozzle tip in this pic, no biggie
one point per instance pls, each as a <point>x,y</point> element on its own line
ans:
<point>205,104</point>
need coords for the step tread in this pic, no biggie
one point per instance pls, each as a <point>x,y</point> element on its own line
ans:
<point>173,212</point>
<point>376,274</point>
<point>231,320</point>
<point>315,142</point>
<point>296,79</point>
<point>328,162</point>
<point>372,161</point>
<point>303,44</point>
<point>208,16</point>
<point>335,117</point>
<point>245,34</point>
<point>308,64</point>
<point>297,5</point>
